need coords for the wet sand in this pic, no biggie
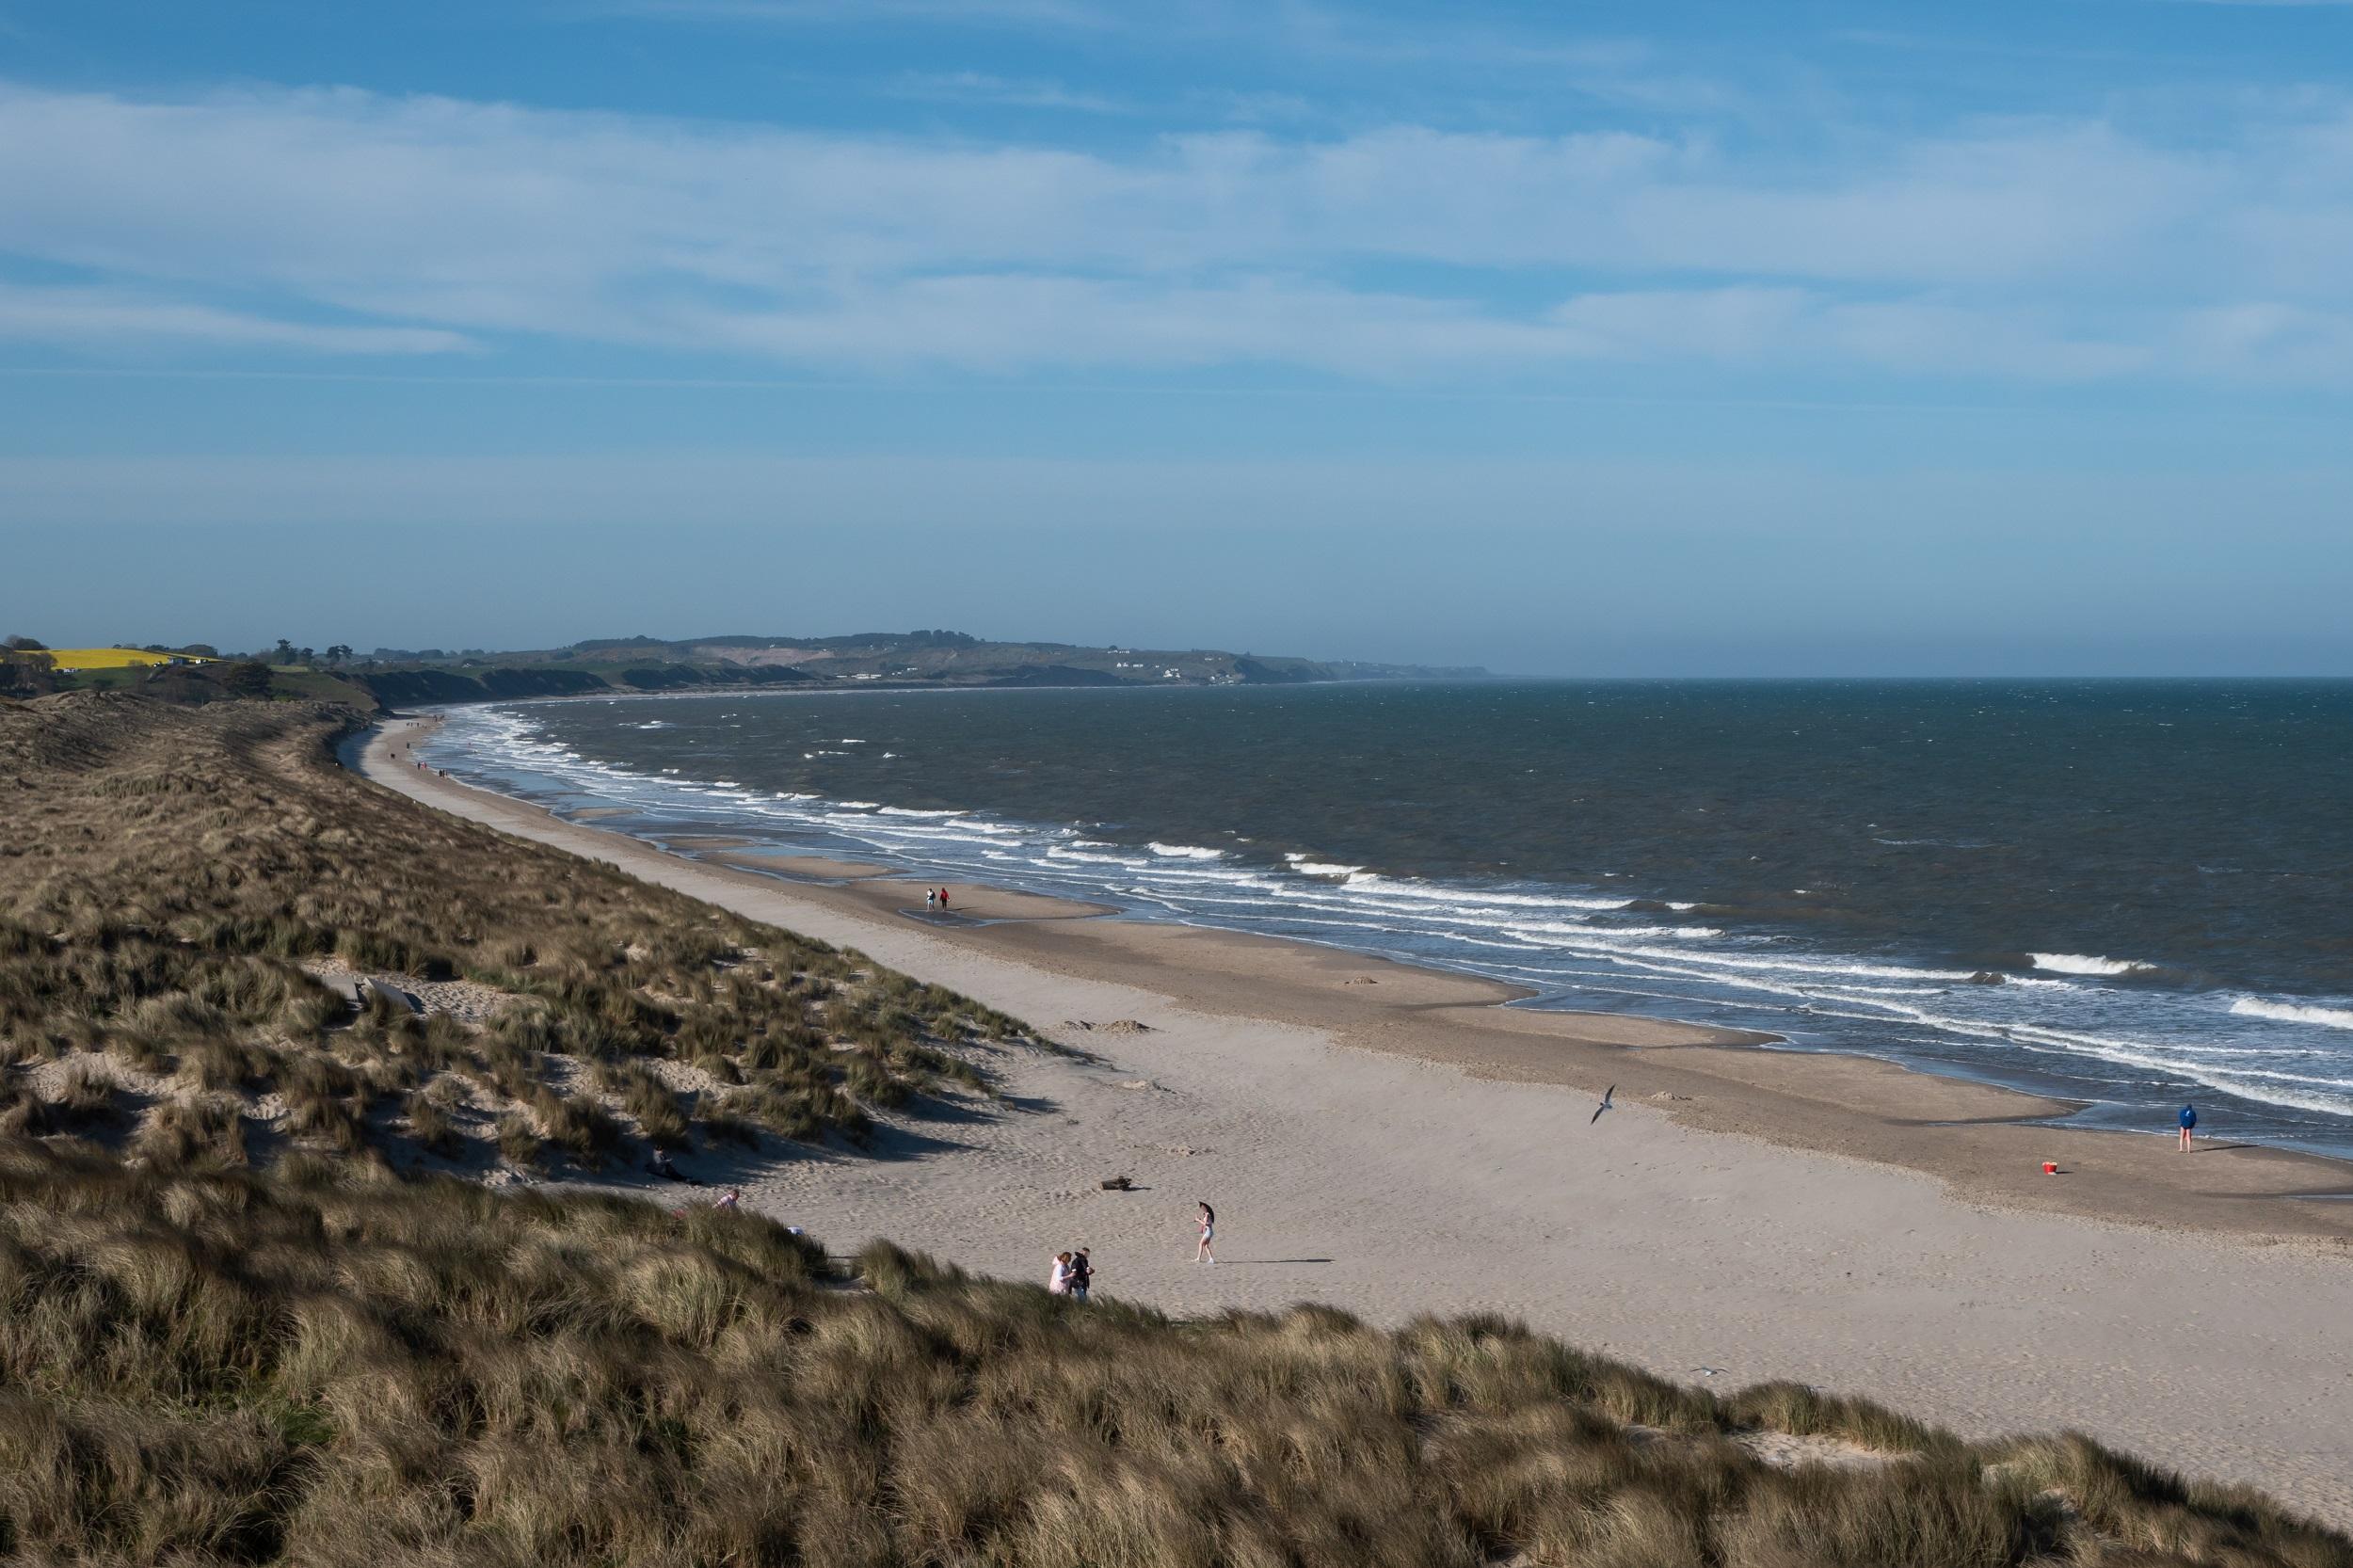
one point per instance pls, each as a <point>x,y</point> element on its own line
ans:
<point>1392,1141</point>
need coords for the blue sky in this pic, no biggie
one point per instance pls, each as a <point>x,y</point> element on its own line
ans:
<point>1805,338</point>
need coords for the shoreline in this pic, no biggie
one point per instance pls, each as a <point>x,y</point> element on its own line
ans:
<point>1407,1145</point>
<point>1986,1141</point>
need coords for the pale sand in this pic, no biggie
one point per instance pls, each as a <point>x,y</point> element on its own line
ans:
<point>805,868</point>
<point>1391,1181</point>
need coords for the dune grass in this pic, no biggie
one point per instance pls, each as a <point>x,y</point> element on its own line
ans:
<point>326,1364</point>
<point>177,883</point>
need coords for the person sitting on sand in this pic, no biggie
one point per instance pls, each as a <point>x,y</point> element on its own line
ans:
<point>1207,1221</point>
<point>1058,1281</point>
<point>2188,1118</point>
<point>733,1196</point>
<point>1081,1274</point>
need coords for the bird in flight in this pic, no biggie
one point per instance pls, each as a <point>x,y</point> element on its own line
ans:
<point>1605,1104</point>
<point>1709,1371</point>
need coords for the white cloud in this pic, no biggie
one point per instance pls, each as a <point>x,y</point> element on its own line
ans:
<point>2045,250</point>
<point>114,319</point>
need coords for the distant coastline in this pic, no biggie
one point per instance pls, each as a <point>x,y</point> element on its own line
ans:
<point>391,678</point>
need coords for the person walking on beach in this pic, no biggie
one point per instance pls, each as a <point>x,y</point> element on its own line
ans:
<point>1207,1221</point>
<point>931,900</point>
<point>1058,1280</point>
<point>943,898</point>
<point>2188,1118</point>
<point>1081,1276</point>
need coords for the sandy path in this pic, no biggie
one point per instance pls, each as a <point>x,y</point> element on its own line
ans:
<point>1390,1187</point>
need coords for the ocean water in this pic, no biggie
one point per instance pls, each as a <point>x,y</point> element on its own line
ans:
<point>2128,894</point>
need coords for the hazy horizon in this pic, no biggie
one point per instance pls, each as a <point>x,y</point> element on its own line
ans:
<point>1671,339</point>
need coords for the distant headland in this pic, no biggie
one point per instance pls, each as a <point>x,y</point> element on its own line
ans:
<point>392,676</point>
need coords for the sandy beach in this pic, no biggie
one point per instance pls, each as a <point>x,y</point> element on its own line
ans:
<point>1394,1142</point>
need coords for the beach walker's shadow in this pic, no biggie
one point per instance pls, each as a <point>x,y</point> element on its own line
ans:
<point>1242,1262</point>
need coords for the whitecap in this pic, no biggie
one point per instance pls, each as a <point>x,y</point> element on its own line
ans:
<point>2294,1013</point>
<point>2079,963</point>
<point>1187,852</point>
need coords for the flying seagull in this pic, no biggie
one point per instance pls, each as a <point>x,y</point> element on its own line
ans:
<point>1605,1104</point>
<point>1710,1372</point>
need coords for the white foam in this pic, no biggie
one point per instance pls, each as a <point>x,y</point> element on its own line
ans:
<point>1608,932</point>
<point>1318,868</point>
<point>911,812</point>
<point>1187,852</point>
<point>1472,898</point>
<point>1061,851</point>
<point>860,804</point>
<point>2078,963</point>
<point>2294,1013</point>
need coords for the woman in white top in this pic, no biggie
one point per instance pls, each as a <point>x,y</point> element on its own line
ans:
<point>1207,1219</point>
<point>1058,1283</point>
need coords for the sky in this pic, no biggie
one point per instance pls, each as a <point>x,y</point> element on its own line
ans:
<point>1570,339</point>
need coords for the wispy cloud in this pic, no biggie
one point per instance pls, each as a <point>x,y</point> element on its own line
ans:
<point>2040,250</point>
<point>974,87</point>
<point>113,320</point>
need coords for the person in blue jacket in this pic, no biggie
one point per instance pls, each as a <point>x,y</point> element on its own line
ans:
<point>2188,1118</point>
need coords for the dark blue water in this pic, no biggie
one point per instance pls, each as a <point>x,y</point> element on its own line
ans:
<point>2128,894</point>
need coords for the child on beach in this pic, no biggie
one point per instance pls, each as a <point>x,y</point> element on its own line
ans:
<point>2188,1118</point>
<point>1207,1221</point>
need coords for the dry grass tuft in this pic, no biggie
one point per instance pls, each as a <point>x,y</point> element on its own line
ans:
<point>313,1366</point>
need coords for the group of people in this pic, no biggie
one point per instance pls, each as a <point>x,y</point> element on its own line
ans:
<point>1073,1276</point>
<point>934,898</point>
<point>1073,1273</point>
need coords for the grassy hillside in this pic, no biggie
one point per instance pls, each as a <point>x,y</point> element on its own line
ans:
<point>319,1370</point>
<point>246,1318</point>
<point>181,890</point>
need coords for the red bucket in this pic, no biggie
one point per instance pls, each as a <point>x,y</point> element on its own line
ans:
<point>2050,1167</point>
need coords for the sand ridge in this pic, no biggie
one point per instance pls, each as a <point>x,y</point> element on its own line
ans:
<point>1390,1141</point>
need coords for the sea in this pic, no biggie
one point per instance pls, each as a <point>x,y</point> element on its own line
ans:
<point>2126,894</point>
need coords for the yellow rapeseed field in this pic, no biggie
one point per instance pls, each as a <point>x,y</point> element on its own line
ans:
<point>114,658</point>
